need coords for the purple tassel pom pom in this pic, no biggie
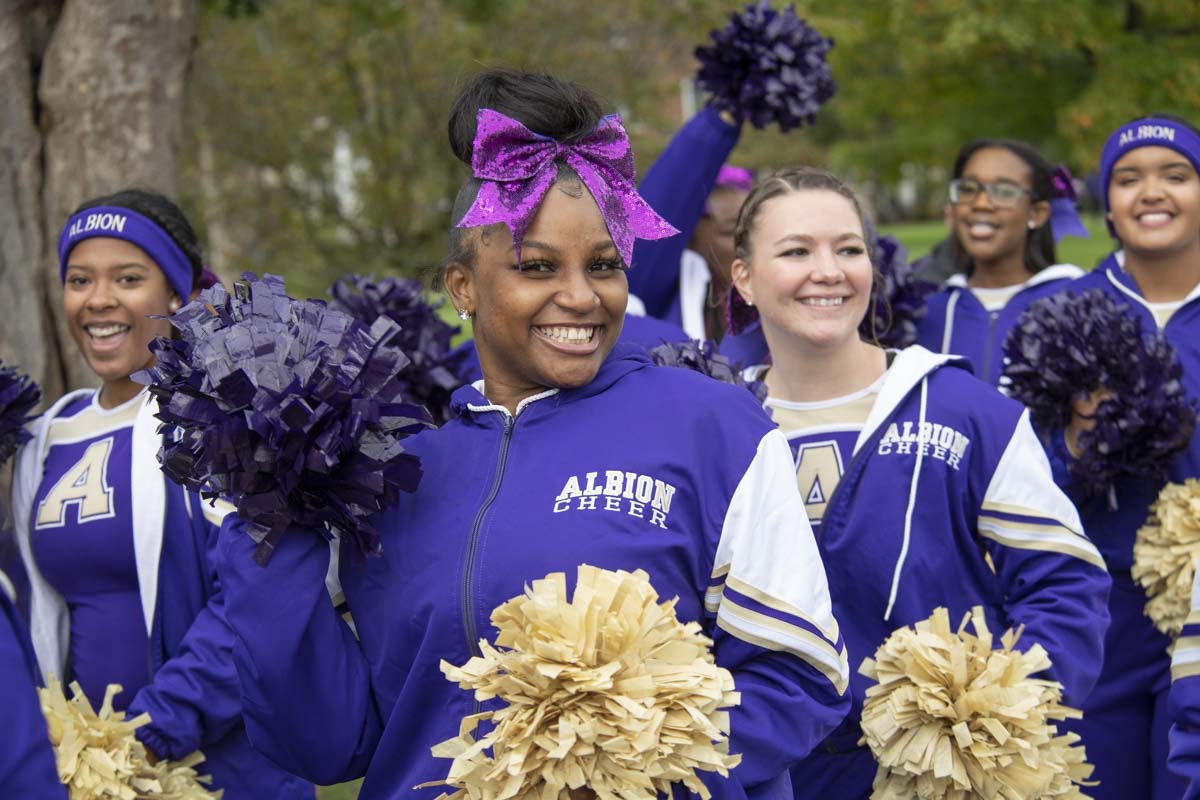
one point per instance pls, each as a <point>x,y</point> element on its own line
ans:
<point>431,377</point>
<point>19,395</point>
<point>702,357</point>
<point>766,67</point>
<point>1067,348</point>
<point>289,409</point>
<point>898,304</point>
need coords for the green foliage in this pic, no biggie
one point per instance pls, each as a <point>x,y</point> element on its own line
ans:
<point>316,131</point>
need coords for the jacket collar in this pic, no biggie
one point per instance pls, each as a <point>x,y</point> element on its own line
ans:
<point>1054,272</point>
<point>471,401</point>
<point>911,366</point>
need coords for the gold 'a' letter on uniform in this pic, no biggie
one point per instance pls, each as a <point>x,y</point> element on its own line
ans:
<point>85,484</point>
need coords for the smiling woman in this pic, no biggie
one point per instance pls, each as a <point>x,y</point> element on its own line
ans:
<point>573,449</point>
<point>122,589</point>
<point>909,438</point>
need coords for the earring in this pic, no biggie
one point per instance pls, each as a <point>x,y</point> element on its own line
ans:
<point>173,306</point>
<point>749,302</point>
<point>1032,225</point>
<point>463,314</point>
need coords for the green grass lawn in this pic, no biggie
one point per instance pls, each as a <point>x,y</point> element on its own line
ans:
<point>343,791</point>
<point>920,237</point>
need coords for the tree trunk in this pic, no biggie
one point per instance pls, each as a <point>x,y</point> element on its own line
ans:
<point>101,114</point>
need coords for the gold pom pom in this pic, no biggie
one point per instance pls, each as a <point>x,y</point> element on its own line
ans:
<point>1165,553</point>
<point>99,758</point>
<point>608,691</point>
<point>951,718</point>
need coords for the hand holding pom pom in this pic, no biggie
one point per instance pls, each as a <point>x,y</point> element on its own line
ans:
<point>100,758</point>
<point>607,693</point>
<point>767,67</point>
<point>701,357</point>
<point>952,718</point>
<point>1070,354</point>
<point>1165,553</point>
<point>18,397</point>
<point>291,410</point>
<point>430,377</point>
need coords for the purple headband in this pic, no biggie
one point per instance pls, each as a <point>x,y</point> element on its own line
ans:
<point>1147,132</point>
<point>1064,216</point>
<point>518,166</point>
<point>739,178</point>
<point>114,222</point>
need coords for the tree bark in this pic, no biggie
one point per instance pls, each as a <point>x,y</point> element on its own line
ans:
<point>103,113</point>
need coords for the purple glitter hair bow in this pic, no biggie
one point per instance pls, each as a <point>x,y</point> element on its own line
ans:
<point>518,166</point>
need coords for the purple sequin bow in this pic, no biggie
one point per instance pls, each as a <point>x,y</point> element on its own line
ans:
<point>518,166</point>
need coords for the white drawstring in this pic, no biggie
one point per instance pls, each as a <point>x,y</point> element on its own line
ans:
<point>912,502</point>
<point>949,328</point>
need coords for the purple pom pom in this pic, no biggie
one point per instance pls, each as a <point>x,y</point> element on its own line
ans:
<point>431,377</point>
<point>767,66</point>
<point>899,303</point>
<point>702,357</point>
<point>19,395</point>
<point>289,409</point>
<point>1066,348</point>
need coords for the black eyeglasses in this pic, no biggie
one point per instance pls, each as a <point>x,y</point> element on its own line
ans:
<point>1001,193</point>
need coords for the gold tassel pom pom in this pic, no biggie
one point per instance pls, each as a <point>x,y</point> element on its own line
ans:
<point>99,758</point>
<point>953,719</point>
<point>608,691</point>
<point>1165,553</point>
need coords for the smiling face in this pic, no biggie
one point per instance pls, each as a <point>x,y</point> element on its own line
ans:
<point>808,270</point>
<point>992,232</point>
<point>111,289</point>
<point>1154,201</point>
<point>551,320</point>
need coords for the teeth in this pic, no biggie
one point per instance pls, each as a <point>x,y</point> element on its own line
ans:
<point>982,229</point>
<point>568,335</point>
<point>103,331</point>
<point>1155,217</point>
<point>822,301</point>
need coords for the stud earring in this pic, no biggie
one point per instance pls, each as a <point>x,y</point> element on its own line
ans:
<point>750,303</point>
<point>1032,225</point>
<point>463,314</point>
<point>173,306</point>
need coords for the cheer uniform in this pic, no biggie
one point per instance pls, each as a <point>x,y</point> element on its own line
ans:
<point>645,467</point>
<point>1125,721</point>
<point>909,497</point>
<point>123,588</point>
<point>966,321</point>
<point>677,186</point>
<point>26,760</point>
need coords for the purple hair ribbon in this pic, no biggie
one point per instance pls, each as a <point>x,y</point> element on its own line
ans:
<point>115,222</point>
<point>1064,217</point>
<point>1145,132</point>
<point>737,178</point>
<point>518,166</point>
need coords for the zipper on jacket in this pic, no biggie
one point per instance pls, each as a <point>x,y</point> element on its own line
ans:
<point>985,373</point>
<point>473,541</point>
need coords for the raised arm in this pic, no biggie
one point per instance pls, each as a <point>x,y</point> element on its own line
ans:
<point>677,186</point>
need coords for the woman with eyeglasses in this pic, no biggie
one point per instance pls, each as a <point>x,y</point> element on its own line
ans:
<point>1002,243</point>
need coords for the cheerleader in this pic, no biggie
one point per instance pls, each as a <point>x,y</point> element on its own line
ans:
<point>26,760</point>
<point>925,487</point>
<point>572,449</point>
<point>123,588</point>
<point>1152,204</point>
<point>1002,245</point>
